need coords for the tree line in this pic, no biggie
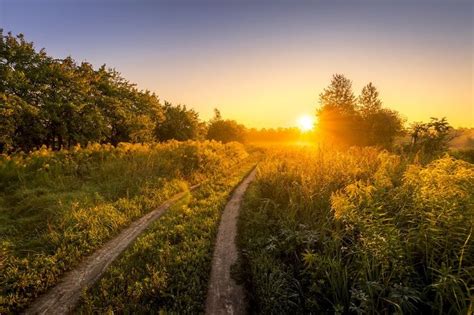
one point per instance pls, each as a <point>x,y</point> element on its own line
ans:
<point>347,120</point>
<point>60,103</point>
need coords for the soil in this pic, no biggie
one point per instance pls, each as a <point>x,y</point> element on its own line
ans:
<point>224,296</point>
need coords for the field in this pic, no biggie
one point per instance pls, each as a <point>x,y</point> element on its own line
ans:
<point>168,267</point>
<point>349,231</point>
<point>57,207</point>
<point>359,231</point>
<point>201,157</point>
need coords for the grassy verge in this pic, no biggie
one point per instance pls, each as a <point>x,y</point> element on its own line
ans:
<point>168,267</point>
<point>358,232</point>
<point>57,207</point>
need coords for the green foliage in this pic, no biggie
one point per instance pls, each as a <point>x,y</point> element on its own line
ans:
<point>432,137</point>
<point>361,231</point>
<point>58,206</point>
<point>225,130</point>
<point>180,124</point>
<point>167,269</point>
<point>380,125</point>
<point>59,103</point>
<point>347,120</point>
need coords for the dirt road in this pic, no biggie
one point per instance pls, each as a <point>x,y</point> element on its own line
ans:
<point>62,298</point>
<point>224,296</point>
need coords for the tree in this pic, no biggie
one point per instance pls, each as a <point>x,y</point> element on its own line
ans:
<point>380,126</point>
<point>59,103</point>
<point>21,69</point>
<point>180,123</point>
<point>225,130</point>
<point>129,114</point>
<point>339,122</point>
<point>338,95</point>
<point>347,120</point>
<point>431,137</point>
<point>369,101</point>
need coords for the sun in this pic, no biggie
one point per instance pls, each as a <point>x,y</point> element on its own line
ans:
<point>306,123</point>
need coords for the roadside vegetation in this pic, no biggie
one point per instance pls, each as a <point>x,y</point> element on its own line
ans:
<point>358,231</point>
<point>57,207</point>
<point>361,222</point>
<point>167,269</point>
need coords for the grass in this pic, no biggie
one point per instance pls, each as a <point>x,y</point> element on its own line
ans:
<point>360,231</point>
<point>167,269</point>
<point>321,231</point>
<point>57,207</point>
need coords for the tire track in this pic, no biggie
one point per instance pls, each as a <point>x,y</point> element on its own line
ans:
<point>63,297</point>
<point>224,296</point>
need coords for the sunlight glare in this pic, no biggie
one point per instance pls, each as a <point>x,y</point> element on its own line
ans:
<point>306,123</point>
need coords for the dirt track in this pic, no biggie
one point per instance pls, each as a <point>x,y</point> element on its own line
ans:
<point>62,298</point>
<point>224,296</point>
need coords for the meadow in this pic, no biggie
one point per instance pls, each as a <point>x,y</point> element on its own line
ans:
<point>356,208</point>
<point>358,231</point>
<point>56,207</point>
<point>168,267</point>
<point>352,231</point>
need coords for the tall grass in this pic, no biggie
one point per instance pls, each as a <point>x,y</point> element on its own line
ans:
<point>57,207</point>
<point>360,231</point>
<point>167,269</point>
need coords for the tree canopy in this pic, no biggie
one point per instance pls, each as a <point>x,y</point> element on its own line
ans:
<point>225,130</point>
<point>433,136</point>
<point>345,119</point>
<point>180,124</point>
<point>59,103</point>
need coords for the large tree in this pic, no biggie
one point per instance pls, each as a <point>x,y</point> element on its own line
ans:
<point>59,103</point>
<point>21,89</point>
<point>347,120</point>
<point>339,121</point>
<point>380,125</point>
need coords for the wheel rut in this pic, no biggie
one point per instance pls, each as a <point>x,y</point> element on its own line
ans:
<point>63,297</point>
<point>224,295</point>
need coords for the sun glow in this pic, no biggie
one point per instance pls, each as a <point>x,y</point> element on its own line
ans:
<point>306,123</point>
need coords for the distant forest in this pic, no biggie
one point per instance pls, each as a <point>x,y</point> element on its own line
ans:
<point>59,103</point>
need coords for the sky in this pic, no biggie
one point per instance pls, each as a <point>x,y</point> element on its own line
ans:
<point>264,63</point>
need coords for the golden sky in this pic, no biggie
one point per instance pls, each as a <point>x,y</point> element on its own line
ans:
<point>264,63</point>
<point>274,89</point>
